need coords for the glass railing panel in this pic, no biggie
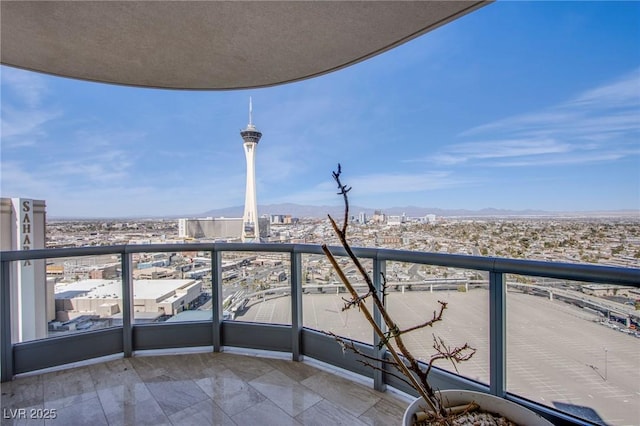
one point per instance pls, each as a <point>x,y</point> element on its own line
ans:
<point>323,298</point>
<point>59,296</point>
<point>575,347</point>
<point>256,287</point>
<point>413,295</point>
<point>171,287</point>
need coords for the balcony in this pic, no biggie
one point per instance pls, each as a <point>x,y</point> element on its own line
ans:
<point>532,322</point>
<point>199,389</point>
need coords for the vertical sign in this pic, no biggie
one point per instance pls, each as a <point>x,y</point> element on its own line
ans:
<point>23,209</point>
<point>25,225</point>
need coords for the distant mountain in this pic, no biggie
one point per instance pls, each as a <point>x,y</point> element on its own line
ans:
<point>236,211</point>
<point>305,211</point>
<point>298,210</point>
<point>295,210</point>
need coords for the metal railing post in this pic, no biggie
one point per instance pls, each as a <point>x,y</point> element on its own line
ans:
<point>497,334</point>
<point>379,269</point>
<point>216,299</point>
<point>296,305</point>
<point>6,367</point>
<point>127,303</point>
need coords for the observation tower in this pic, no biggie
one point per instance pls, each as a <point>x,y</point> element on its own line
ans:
<point>251,137</point>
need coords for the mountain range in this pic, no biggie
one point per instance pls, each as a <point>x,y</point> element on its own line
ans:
<point>307,211</point>
<point>302,211</point>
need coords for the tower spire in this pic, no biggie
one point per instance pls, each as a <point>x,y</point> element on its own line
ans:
<point>250,136</point>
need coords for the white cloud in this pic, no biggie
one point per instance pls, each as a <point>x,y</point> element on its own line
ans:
<point>484,150</point>
<point>278,163</point>
<point>17,182</point>
<point>375,185</point>
<point>105,167</point>
<point>23,118</point>
<point>95,156</point>
<point>20,127</point>
<point>597,125</point>
<point>622,93</point>
<point>115,197</point>
<point>577,158</point>
<point>389,183</point>
<point>29,87</point>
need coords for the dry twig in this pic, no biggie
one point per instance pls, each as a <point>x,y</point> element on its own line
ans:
<point>401,358</point>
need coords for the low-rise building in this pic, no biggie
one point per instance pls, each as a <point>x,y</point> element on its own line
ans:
<point>104,297</point>
<point>154,273</point>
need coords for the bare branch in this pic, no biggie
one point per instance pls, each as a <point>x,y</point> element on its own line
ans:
<point>455,355</point>
<point>343,191</point>
<point>384,287</point>
<point>402,359</point>
<point>349,303</point>
<point>436,317</point>
<point>390,373</point>
<point>349,344</point>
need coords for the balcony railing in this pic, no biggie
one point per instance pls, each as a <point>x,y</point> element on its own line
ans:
<point>20,357</point>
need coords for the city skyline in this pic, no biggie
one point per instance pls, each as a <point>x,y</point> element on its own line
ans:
<point>517,106</point>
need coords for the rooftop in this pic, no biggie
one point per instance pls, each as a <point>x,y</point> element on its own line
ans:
<point>143,289</point>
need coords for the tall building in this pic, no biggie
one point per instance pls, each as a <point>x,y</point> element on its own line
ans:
<point>251,137</point>
<point>362,218</point>
<point>378,216</point>
<point>22,227</point>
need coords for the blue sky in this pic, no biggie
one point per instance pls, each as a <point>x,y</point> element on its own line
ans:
<point>518,106</point>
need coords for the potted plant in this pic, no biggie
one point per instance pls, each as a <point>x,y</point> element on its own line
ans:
<point>432,406</point>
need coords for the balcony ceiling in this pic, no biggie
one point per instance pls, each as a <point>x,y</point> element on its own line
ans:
<point>209,45</point>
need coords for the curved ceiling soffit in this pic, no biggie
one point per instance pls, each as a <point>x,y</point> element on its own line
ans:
<point>209,45</point>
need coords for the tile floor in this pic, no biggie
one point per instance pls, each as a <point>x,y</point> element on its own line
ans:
<point>198,389</point>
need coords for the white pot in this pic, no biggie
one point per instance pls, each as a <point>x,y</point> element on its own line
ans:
<point>514,412</point>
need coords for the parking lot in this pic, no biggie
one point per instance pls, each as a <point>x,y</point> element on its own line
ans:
<point>557,354</point>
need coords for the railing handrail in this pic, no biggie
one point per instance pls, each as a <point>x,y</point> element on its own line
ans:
<point>497,268</point>
<point>558,270</point>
